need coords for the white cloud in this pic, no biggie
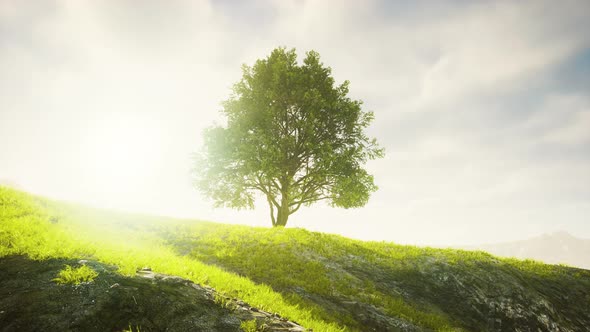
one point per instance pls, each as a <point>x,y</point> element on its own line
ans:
<point>460,163</point>
<point>576,131</point>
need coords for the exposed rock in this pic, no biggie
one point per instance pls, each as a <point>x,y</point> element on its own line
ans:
<point>271,321</point>
<point>374,319</point>
<point>31,301</point>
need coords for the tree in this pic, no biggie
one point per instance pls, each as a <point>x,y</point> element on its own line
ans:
<point>292,135</point>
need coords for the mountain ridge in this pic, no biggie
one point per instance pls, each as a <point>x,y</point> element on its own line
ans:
<point>559,247</point>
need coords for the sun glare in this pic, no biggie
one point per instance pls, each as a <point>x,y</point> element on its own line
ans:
<point>121,153</point>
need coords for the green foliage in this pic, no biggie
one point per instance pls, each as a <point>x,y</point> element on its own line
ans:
<point>75,276</point>
<point>132,329</point>
<point>301,275</point>
<point>292,135</point>
<point>296,260</point>
<point>225,302</point>
<point>249,326</point>
<point>124,240</point>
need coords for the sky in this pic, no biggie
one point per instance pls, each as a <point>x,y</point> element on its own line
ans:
<point>483,107</point>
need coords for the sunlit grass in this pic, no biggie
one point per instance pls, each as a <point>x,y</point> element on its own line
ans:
<point>298,274</point>
<point>26,229</point>
<point>288,259</point>
<point>75,276</point>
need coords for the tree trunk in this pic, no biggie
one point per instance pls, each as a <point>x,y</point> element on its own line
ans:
<point>282,217</point>
<point>283,211</point>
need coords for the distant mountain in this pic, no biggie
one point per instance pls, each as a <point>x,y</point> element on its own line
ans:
<point>554,248</point>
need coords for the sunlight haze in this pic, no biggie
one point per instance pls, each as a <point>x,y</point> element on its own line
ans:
<point>483,108</point>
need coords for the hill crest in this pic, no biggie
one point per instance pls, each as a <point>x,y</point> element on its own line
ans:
<point>324,282</point>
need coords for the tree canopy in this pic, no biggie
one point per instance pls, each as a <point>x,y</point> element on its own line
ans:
<point>291,135</point>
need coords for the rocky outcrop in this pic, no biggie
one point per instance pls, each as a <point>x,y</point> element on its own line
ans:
<point>31,301</point>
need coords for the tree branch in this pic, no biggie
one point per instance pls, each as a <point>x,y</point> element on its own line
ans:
<point>310,191</point>
<point>301,202</point>
<point>267,192</point>
<point>272,212</point>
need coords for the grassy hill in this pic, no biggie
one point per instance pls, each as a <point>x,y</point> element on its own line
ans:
<point>324,282</point>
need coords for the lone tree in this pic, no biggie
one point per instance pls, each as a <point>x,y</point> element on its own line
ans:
<point>292,135</point>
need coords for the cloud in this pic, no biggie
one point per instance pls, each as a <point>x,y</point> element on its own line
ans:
<point>483,126</point>
<point>565,120</point>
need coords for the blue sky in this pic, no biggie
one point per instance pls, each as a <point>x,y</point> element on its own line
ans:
<point>483,107</point>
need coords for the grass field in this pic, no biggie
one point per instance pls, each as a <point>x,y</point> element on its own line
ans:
<point>322,281</point>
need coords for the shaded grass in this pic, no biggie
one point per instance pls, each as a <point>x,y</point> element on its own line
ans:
<point>28,226</point>
<point>296,261</point>
<point>304,276</point>
<point>249,326</point>
<point>428,287</point>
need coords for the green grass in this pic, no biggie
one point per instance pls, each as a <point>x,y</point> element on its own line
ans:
<point>307,261</point>
<point>75,276</point>
<point>304,276</point>
<point>132,329</point>
<point>249,326</point>
<point>28,227</point>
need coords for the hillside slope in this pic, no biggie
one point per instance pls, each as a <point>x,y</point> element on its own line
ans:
<point>383,286</point>
<point>324,282</point>
<point>31,301</point>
